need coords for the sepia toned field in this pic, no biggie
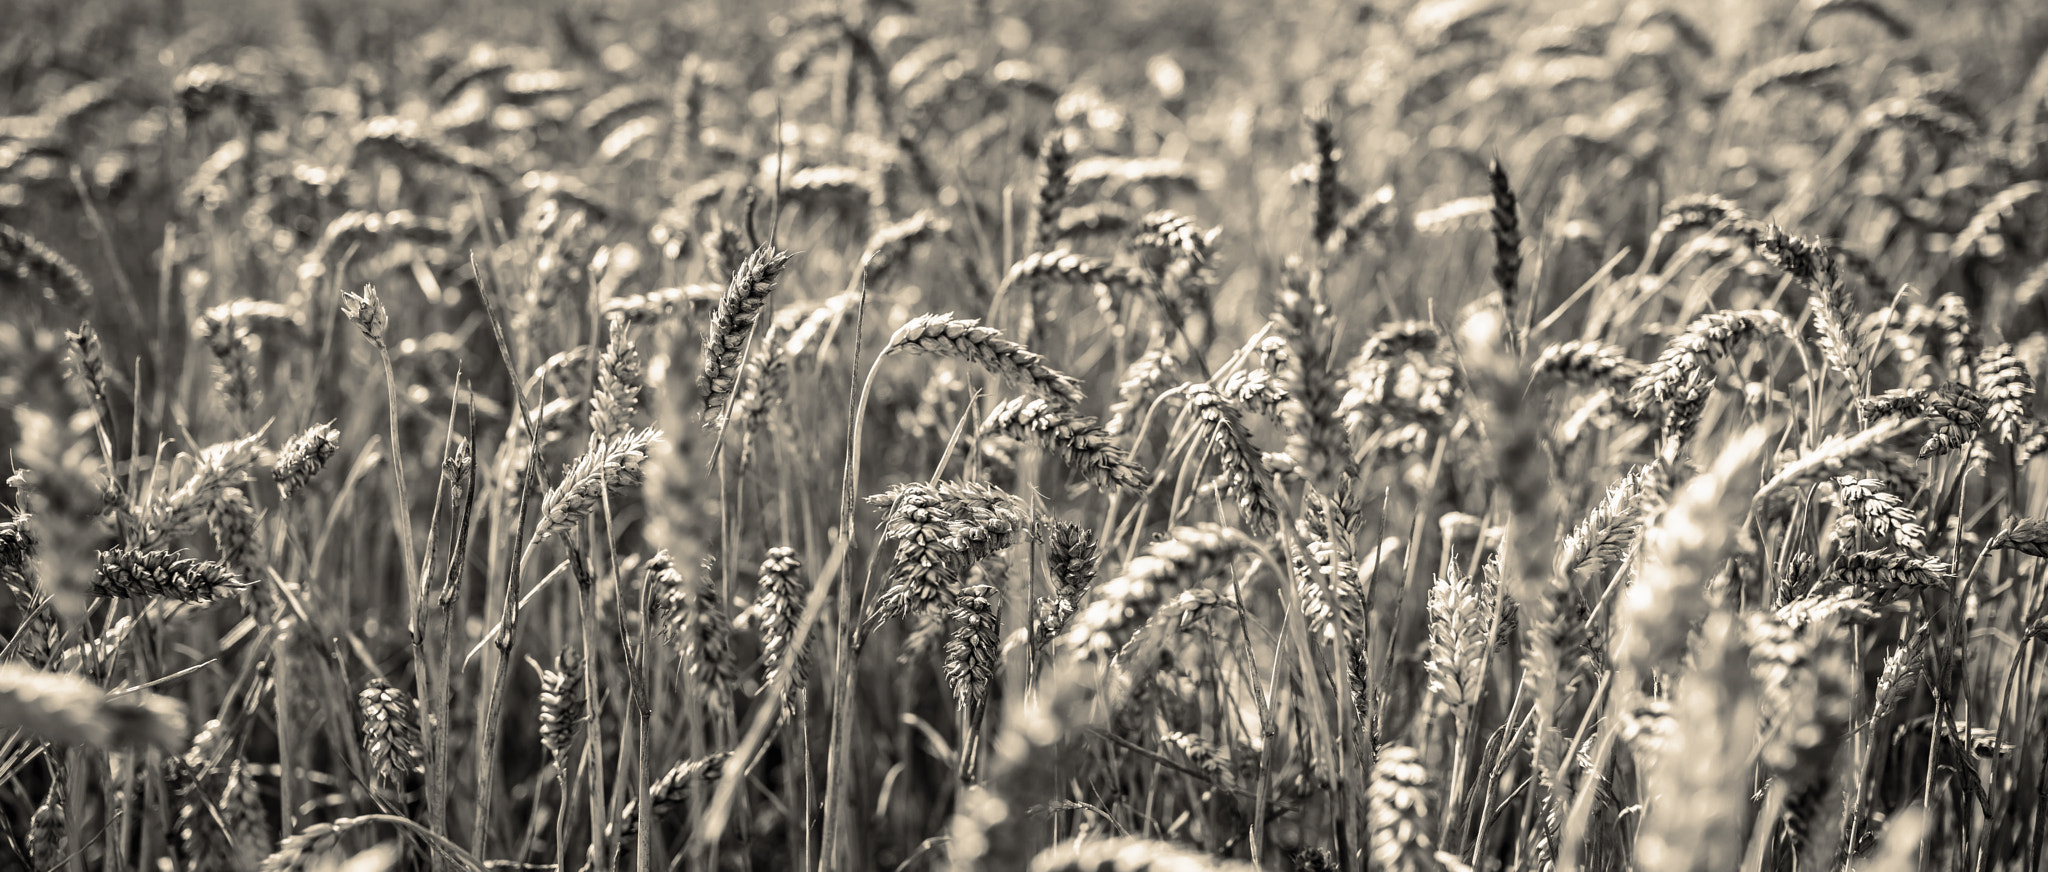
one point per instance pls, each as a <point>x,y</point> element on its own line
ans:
<point>1413,436</point>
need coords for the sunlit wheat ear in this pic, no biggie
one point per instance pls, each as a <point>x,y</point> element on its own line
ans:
<point>1188,556</point>
<point>696,625</point>
<point>1836,319</point>
<point>1166,236</point>
<point>607,465</point>
<point>1085,447</point>
<point>1867,507</point>
<point>303,457</point>
<point>1403,831</point>
<point>1697,212</point>
<point>391,733</point>
<point>1211,758</point>
<point>232,520</point>
<point>1901,673</point>
<point>1129,854</point>
<point>30,265</point>
<point>2006,384</point>
<point>1606,533</point>
<point>126,573</point>
<point>1072,557</point>
<point>778,606</point>
<point>1682,551</point>
<point>1707,339</point>
<point>561,707</point>
<point>1460,617</point>
<point>732,321</point>
<point>68,708</point>
<point>1244,477</point>
<point>1590,362</point>
<point>367,312</point>
<point>405,143</point>
<point>672,788</point>
<point>620,379</point>
<point>1140,383</point>
<point>968,340</point>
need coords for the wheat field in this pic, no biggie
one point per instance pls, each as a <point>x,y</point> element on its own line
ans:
<point>968,435</point>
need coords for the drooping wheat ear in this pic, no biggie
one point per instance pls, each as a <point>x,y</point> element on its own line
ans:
<point>301,851</point>
<point>303,457</point>
<point>1054,164</point>
<point>561,707</point>
<point>1182,560</point>
<point>205,87</point>
<point>1696,212</point>
<point>1681,552</point>
<point>1258,390</point>
<point>1983,236</point>
<point>1834,455</point>
<point>1836,318</point>
<point>1793,70</point>
<point>941,531</point>
<point>1869,10</point>
<point>1175,237</point>
<point>968,340</point>
<point>732,321</point>
<point>971,654</point>
<point>1887,572</point>
<point>232,520</point>
<point>606,466</point>
<point>1402,827</point>
<point>403,142</point>
<point>33,266</point>
<point>1322,131</point>
<point>1140,382</point>
<point>672,788</point>
<point>126,573</point>
<point>1460,617</point>
<point>661,304</point>
<point>1213,759</point>
<point>695,623</point>
<point>1867,507</point>
<point>1129,854</point>
<point>1507,238</point>
<point>2006,385</point>
<point>891,245</point>
<point>1243,476</point>
<point>1146,652</point>
<point>1708,338</point>
<point>352,227</point>
<point>778,605</point>
<point>1590,362</point>
<point>1061,266</point>
<point>1098,219</point>
<point>67,708</point>
<point>391,733</point>
<point>1086,447</point>
<point>619,381</point>
<point>46,829</point>
<point>1600,541</point>
<point>2025,535</point>
<point>367,313</point>
<point>1071,555</point>
<point>1464,213</point>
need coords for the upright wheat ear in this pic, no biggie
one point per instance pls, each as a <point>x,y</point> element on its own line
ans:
<point>732,322</point>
